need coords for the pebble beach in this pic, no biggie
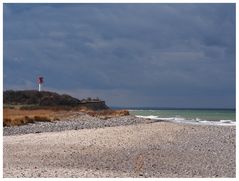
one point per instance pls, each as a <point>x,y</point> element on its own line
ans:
<point>85,146</point>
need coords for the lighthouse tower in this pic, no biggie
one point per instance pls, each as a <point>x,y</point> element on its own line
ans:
<point>40,82</point>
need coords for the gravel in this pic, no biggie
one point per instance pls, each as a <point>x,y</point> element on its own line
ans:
<point>160,149</point>
<point>74,122</point>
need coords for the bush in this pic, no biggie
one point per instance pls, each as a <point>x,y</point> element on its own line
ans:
<point>24,120</point>
<point>42,119</point>
<point>44,98</point>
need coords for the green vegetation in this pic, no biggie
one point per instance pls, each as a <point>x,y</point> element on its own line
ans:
<point>31,99</point>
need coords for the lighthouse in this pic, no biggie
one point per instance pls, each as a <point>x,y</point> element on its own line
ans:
<point>40,82</point>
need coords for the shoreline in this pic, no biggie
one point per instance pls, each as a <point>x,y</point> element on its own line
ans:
<point>79,121</point>
<point>141,149</point>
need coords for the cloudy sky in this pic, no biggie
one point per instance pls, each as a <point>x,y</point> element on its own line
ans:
<point>157,55</point>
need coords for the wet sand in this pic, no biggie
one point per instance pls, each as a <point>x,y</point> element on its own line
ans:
<point>159,149</point>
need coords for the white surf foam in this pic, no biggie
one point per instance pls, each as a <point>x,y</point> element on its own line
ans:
<point>225,121</point>
<point>148,117</point>
<point>192,121</point>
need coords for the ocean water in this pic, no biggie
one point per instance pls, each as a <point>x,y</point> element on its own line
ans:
<point>192,116</point>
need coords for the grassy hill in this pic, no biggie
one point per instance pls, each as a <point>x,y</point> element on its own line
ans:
<point>31,98</point>
<point>29,106</point>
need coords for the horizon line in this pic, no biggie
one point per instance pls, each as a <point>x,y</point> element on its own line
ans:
<point>156,108</point>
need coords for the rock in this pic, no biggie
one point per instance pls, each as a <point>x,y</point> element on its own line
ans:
<point>79,122</point>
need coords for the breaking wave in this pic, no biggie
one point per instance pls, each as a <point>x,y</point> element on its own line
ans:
<point>190,121</point>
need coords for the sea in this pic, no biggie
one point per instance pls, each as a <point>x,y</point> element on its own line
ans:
<point>224,117</point>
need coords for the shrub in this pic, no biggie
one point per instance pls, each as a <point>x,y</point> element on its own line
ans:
<point>24,120</point>
<point>42,119</point>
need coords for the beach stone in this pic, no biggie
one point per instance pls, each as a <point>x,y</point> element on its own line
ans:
<point>80,121</point>
<point>160,149</point>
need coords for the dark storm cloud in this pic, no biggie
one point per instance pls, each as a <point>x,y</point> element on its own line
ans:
<point>129,54</point>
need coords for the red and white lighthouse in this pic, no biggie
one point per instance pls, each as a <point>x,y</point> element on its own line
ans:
<point>40,82</point>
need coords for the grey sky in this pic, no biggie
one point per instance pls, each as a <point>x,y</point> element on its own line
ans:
<point>163,55</point>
